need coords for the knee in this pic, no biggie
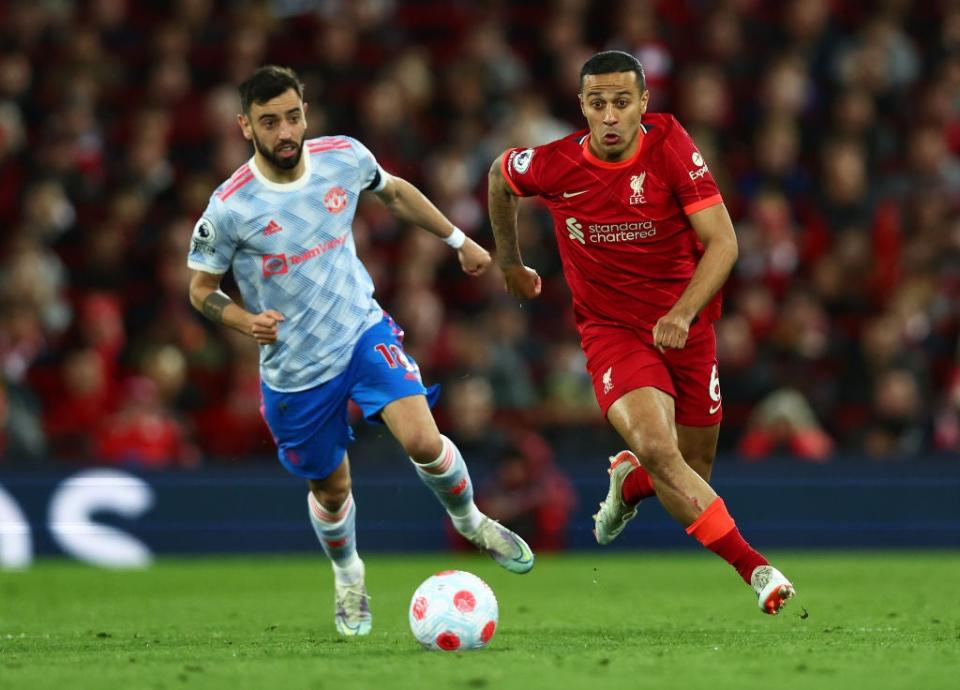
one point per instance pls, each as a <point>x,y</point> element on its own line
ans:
<point>333,494</point>
<point>655,454</point>
<point>422,445</point>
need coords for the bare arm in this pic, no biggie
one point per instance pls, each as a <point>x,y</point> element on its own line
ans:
<point>207,298</point>
<point>715,230</point>
<point>502,205</point>
<point>407,203</point>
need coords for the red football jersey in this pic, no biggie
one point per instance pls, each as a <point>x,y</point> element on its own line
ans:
<point>627,246</point>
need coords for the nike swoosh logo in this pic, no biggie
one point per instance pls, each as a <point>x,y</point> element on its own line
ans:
<point>714,408</point>
<point>567,195</point>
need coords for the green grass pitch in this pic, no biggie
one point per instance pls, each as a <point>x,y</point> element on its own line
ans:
<point>590,620</point>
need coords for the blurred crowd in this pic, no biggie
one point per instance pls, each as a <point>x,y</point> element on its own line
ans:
<point>831,126</point>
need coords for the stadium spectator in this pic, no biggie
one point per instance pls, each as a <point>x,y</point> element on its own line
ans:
<point>471,410</point>
<point>84,400</point>
<point>528,493</point>
<point>784,424</point>
<point>897,427</point>
<point>22,439</point>
<point>142,434</point>
<point>834,127</point>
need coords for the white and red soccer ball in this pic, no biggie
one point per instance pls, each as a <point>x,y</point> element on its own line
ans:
<point>454,611</point>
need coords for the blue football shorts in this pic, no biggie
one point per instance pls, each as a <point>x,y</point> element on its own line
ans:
<point>310,427</point>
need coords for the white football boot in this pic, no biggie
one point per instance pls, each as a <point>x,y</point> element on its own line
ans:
<point>501,544</point>
<point>352,609</point>
<point>772,588</point>
<point>614,513</point>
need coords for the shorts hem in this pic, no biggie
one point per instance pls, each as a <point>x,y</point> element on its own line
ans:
<point>310,473</point>
<point>662,389</point>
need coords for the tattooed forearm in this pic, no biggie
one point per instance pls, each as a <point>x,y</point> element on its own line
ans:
<point>502,206</point>
<point>214,305</point>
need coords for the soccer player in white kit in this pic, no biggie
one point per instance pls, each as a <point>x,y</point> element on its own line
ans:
<point>283,224</point>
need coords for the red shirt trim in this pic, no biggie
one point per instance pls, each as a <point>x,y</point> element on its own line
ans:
<point>690,209</point>
<point>326,146</point>
<point>240,178</point>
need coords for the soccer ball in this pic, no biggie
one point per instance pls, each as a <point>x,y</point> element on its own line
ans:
<point>452,611</point>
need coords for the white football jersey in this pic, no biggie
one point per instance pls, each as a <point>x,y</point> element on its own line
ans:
<point>291,249</point>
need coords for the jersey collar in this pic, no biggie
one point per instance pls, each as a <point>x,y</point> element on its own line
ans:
<point>588,154</point>
<point>298,183</point>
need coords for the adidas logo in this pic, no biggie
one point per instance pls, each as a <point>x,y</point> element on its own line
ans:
<point>272,228</point>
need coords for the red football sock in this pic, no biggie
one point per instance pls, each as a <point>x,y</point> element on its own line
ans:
<point>637,486</point>
<point>717,531</point>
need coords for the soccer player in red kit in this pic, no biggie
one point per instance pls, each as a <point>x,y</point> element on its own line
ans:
<point>646,244</point>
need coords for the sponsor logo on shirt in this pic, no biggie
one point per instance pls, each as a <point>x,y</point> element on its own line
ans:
<point>702,168</point>
<point>520,160</point>
<point>278,264</point>
<point>274,264</point>
<point>636,184</point>
<point>321,248</point>
<point>575,229</point>
<point>622,232</point>
<point>602,233</point>
<point>335,200</point>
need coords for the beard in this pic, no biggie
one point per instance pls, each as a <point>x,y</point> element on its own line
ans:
<point>275,160</point>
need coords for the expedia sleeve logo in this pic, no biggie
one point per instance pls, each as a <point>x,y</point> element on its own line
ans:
<point>520,161</point>
<point>702,168</point>
<point>204,236</point>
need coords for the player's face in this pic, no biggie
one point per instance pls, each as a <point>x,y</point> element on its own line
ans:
<point>277,129</point>
<point>613,105</point>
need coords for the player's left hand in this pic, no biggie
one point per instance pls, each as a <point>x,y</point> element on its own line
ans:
<point>671,331</point>
<point>474,259</point>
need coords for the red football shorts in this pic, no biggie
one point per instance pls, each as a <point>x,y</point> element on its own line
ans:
<point>621,359</point>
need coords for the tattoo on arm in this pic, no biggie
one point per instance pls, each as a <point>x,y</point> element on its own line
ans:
<point>214,305</point>
<point>503,207</point>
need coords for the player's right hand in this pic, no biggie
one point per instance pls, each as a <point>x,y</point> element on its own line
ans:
<point>264,327</point>
<point>522,281</point>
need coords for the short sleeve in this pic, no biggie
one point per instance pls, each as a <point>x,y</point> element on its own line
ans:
<point>372,176</point>
<point>688,173</point>
<point>522,169</point>
<point>213,242</point>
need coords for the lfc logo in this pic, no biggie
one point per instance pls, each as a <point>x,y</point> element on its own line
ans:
<point>608,380</point>
<point>636,184</point>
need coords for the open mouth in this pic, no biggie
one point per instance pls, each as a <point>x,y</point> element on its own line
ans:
<point>287,150</point>
<point>610,138</point>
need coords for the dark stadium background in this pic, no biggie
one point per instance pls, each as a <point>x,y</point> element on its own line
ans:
<point>832,128</point>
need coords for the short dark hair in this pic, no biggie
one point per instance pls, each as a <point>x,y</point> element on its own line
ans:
<point>614,61</point>
<point>268,82</point>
